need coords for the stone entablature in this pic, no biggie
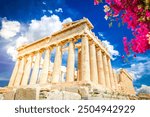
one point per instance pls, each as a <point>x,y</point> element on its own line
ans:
<point>94,61</point>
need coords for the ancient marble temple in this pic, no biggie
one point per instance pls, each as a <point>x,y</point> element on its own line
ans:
<point>93,61</point>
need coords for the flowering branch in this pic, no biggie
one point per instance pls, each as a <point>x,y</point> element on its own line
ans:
<point>136,14</point>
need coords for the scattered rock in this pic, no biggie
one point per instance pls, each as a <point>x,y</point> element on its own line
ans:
<point>9,95</point>
<point>27,94</point>
<point>83,91</point>
<point>143,96</point>
<point>66,91</point>
<point>96,91</point>
<point>62,95</point>
<point>54,95</point>
<point>1,97</point>
<point>71,96</point>
<point>72,89</point>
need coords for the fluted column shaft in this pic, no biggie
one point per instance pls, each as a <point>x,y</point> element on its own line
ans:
<point>27,71</point>
<point>44,74</point>
<point>57,65</point>
<point>106,71</point>
<point>36,67</point>
<point>85,59</point>
<point>14,74</point>
<point>79,66</point>
<point>93,64</point>
<point>70,63</point>
<point>111,74</point>
<point>115,79</point>
<point>101,76</point>
<point>20,72</point>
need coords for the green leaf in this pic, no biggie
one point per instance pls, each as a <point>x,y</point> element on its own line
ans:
<point>110,24</point>
<point>119,25</point>
<point>100,1</point>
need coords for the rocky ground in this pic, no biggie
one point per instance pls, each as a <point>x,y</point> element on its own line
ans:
<point>83,91</point>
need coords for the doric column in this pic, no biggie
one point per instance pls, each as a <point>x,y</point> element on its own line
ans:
<point>79,65</point>
<point>101,76</point>
<point>93,64</point>
<point>36,67</point>
<point>106,71</point>
<point>27,71</point>
<point>20,71</point>
<point>57,65</point>
<point>110,73</point>
<point>14,73</point>
<point>115,79</point>
<point>45,68</point>
<point>70,63</point>
<point>85,66</point>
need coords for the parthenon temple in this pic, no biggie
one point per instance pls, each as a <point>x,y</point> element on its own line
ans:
<point>88,61</point>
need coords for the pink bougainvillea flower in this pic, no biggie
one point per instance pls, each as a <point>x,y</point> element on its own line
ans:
<point>136,14</point>
<point>134,55</point>
<point>122,56</point>
<point>96,2</point>
<point>126,45</point>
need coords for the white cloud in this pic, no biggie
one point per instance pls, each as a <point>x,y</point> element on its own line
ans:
<point>4,79</point>
<point>21,40</point>
<point>9,29</point>
<point>67,20</point>
<point>44,3</point>
<point>50,11</point>
<point>143,89</point>
<point>59,10</point>
<point>114,53</point>
<point>35,30</point>
<point>44,11</point>
<point>140,67</point>
<point>137,71</point>
<point>101,35</point>
<point>11,51</point>
<point>43,27</point>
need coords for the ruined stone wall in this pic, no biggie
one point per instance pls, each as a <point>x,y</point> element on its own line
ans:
<point>125,83</point>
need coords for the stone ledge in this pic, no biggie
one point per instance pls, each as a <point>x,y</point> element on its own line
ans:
<point>59,95</point>
<point>142,96</point>
<point>65,91</point>
<point>27,94</point>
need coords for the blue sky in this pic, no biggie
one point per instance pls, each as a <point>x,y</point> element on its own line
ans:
<point>29,17</point>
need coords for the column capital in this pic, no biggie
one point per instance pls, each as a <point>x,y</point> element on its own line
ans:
<point>107,57</point>
<point>24,56</point>
<point>59,44</point>
<point>92,42</point>
<point>72,40</point>
<point>37,52</point>
<point>84,35</point>
<point>48,48</point>
<point>98,49</point>
<point>41,50</point>
<point>19,58</point>
<point>31,54</point>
